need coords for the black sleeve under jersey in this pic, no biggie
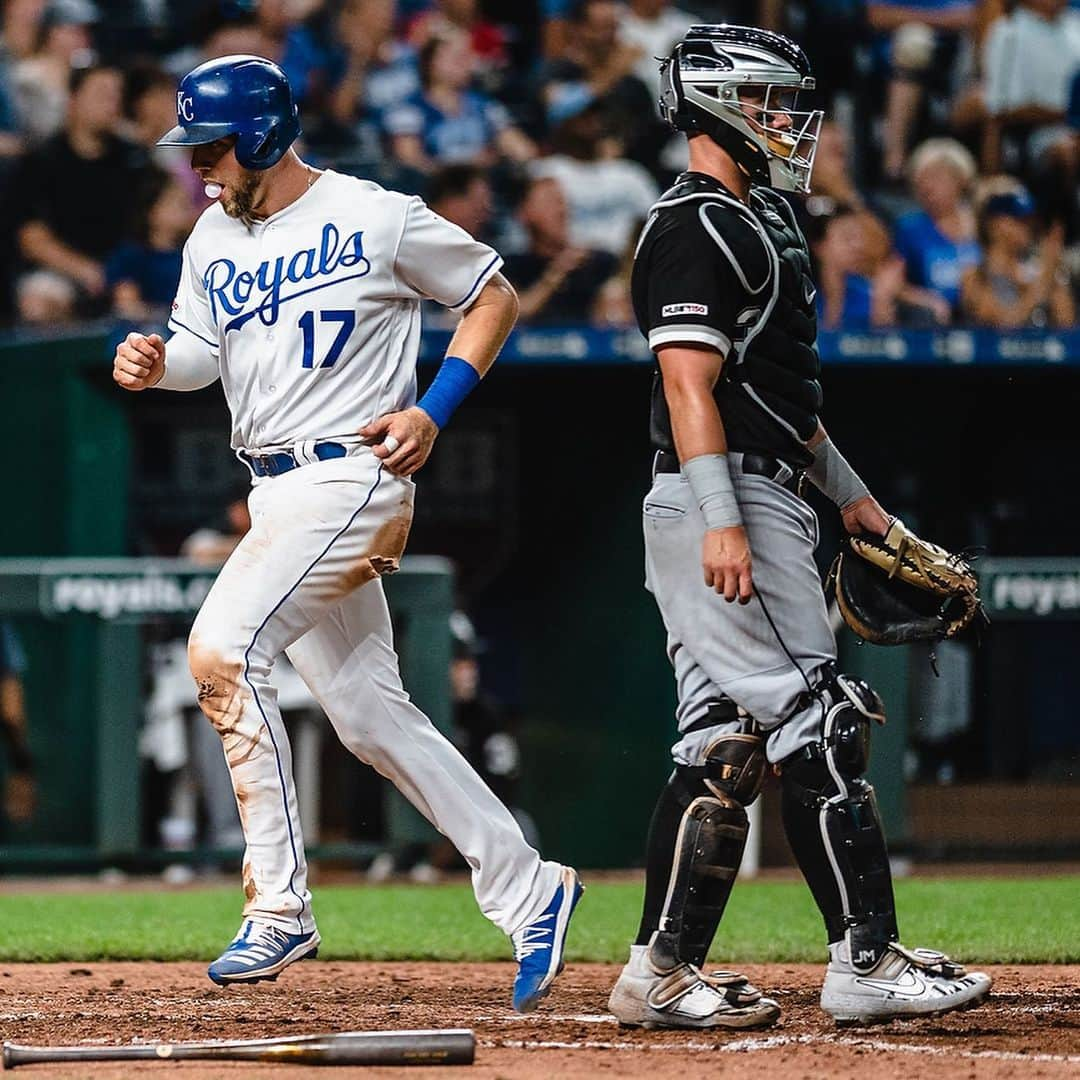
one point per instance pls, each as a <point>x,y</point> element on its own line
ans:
<point>697,285</point>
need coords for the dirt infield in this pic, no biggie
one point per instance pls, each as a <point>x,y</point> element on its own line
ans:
<point>1030,1027</point>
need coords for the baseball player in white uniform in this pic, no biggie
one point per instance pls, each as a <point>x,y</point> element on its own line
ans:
<point>301,291</point>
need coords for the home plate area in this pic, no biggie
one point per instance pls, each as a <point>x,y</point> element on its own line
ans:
<point>1030,1027</point>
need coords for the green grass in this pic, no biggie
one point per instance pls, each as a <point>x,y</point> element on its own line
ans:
<point>1036,920</point>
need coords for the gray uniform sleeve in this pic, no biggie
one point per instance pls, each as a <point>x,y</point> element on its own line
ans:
<point>191,309</point>
<point>438,260</point>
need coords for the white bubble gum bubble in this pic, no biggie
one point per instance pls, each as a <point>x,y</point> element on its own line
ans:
<point>212,190</point>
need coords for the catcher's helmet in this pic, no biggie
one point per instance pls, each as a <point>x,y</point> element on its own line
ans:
<point>245,96</point>
<point>739,86</point>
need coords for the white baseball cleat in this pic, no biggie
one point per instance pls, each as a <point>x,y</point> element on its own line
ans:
<point>686,997</point>
<point>904,983</point>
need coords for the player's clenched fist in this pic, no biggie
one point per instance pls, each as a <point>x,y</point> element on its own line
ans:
<point>725,558</point>
<point>139,362</point>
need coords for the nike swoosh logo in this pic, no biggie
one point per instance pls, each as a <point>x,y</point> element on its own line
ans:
<point>810,294</point>
<point>908,985</point>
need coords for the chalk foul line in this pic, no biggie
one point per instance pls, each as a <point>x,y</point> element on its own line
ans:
<point>757,1044</point>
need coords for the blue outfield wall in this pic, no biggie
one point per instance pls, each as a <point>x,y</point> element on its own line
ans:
<point>568,345</point>
<point>932,348</point>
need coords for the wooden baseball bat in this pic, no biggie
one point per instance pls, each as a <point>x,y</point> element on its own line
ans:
<point>453,1046</point>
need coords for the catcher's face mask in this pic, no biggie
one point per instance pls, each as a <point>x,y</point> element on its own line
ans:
<point>740,86</point>
<point>790,135</point>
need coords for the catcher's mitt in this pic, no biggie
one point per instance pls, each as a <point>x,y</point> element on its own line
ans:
<point>897,588</point>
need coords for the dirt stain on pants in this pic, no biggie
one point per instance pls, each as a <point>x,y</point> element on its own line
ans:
<point>223,698</point>
<point>383,555</point>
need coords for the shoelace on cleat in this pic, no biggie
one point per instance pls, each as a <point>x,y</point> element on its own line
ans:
<point>530,939</point>
<point>265,935</point>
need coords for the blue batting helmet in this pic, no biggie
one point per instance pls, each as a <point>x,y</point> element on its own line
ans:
<point>245,96</point>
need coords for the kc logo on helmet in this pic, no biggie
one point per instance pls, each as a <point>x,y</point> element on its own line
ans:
<point>185,106</point>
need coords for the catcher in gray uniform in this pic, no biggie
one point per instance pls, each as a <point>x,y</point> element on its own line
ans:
<point>722,289</point>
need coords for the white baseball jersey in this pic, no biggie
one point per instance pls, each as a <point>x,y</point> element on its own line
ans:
<point>314,313</point>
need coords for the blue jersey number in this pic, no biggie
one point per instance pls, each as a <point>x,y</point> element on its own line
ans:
<point>347,321</point>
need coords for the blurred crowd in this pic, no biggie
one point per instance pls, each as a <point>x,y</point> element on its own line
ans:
<point>945,189</point>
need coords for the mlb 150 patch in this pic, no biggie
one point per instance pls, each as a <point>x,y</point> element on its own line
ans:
<point>683,309</point>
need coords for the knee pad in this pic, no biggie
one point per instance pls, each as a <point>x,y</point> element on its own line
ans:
<point>708,847</point>
<point>832,821</point>
<point>735,768</point>
<point>853,706</point>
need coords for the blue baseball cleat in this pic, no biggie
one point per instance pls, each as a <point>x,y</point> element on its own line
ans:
<point>261,951</point>
<point>538,947</point>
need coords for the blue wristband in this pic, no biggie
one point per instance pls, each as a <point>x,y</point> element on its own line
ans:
<point>451,386</point>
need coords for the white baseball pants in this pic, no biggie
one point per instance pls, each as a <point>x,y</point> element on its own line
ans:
<point>305,580</point>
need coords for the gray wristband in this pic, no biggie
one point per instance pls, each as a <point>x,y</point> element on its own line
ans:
<point>710,481</point>
<point>834,477</point>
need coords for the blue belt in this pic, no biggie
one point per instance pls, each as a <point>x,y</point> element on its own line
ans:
<point>284,461</point>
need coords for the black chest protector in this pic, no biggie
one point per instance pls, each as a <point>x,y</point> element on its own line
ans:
<point>768,393</point>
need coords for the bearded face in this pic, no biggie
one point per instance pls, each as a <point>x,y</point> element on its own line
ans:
<point>238,197</point>
<point>216,164</point>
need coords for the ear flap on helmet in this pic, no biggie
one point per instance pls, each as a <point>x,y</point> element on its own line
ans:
<point>254,149</point>
<point>265,144</point>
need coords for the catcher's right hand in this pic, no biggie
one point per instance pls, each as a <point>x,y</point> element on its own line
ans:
<point>898,588</point>
<point>727,563</point>
<point>865,515</point>
<point>139,362</point>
